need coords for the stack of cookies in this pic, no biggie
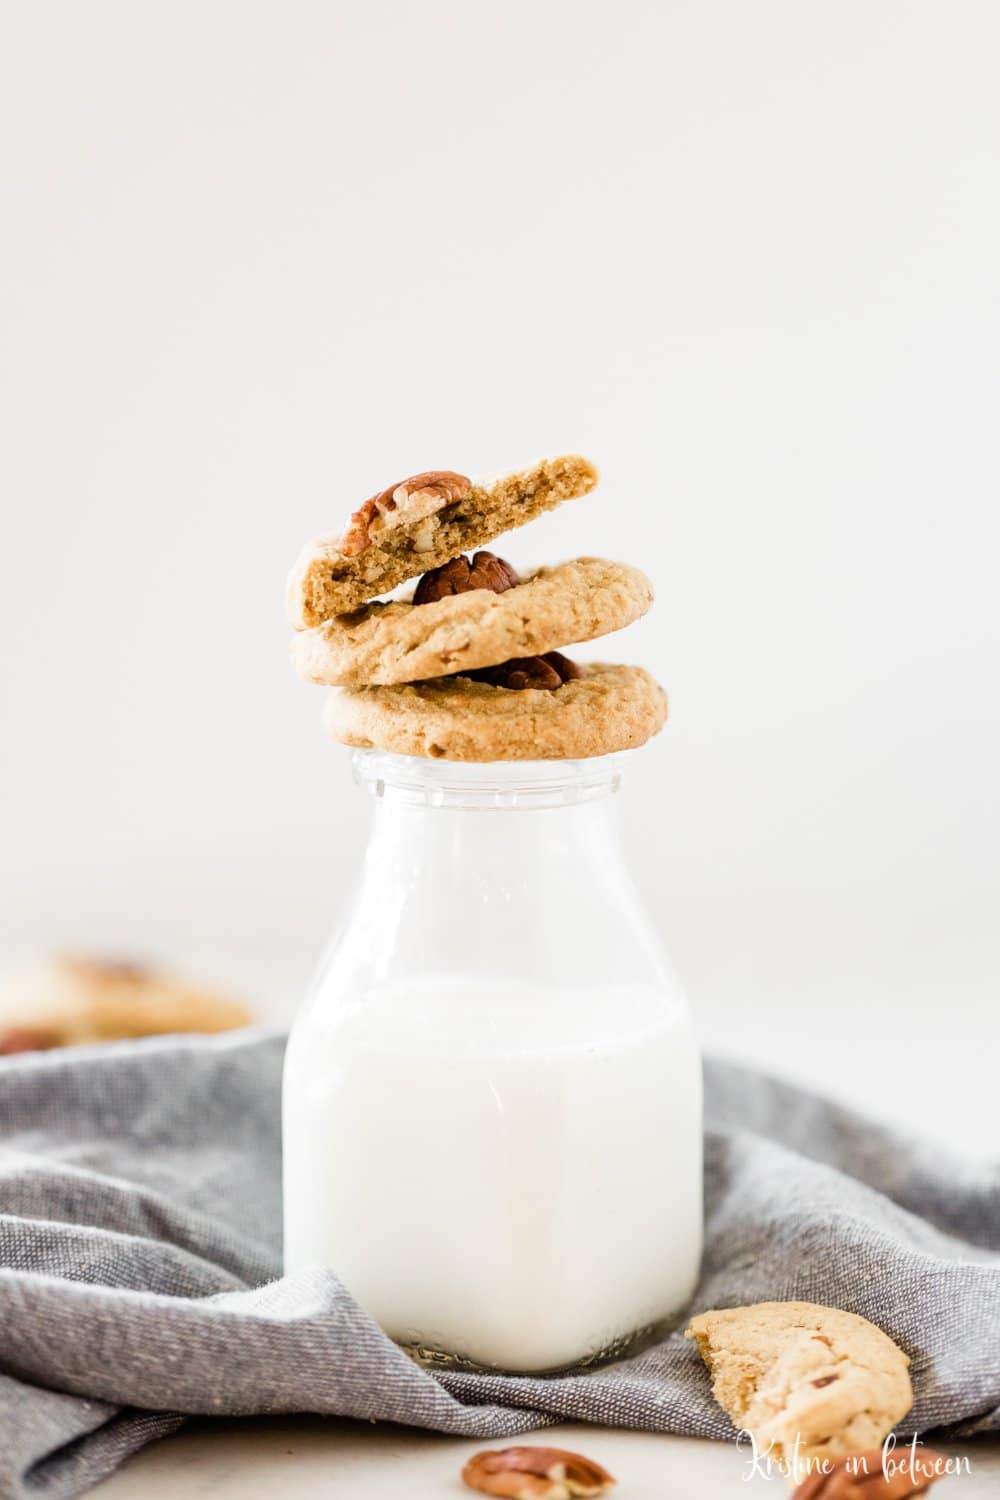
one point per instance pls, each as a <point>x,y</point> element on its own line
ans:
<point>470,665</point>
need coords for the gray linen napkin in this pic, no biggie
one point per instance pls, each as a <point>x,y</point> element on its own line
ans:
<point>140,1265</point>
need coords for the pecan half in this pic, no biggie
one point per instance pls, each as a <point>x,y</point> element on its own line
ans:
<point>862,1476</point>
<point>405,503</point>
<point>461,576</point>
<point>568,670</point>
<point>487,571</point>
<point>544,672</point>
<point>535,1474</point>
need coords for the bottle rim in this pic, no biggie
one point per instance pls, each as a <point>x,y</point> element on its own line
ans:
<point>506,786</point>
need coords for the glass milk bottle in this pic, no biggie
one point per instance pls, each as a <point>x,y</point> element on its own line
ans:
<point>492,1097</point>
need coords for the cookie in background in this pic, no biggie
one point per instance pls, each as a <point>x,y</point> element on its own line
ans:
<point>66,1001</point>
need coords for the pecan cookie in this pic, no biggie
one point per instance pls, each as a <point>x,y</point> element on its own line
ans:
<point>410,640</point>
<point>67,1001</point>
<point>600,710</point>
<point>420,523</point>
<point>789,1371</point>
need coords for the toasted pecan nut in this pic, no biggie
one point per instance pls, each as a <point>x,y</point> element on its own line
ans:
<point>520,673</point>
<point>535,1474</point>
<point>568,670</point>
<point>546,672</point>
<point>863,1476</point>
<point>462,576</point>
<point>405,503</point>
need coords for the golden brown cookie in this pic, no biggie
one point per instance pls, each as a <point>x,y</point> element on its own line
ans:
<point>606,708</point>
<point>795,1370</point>
<point>400,641</point>
<point>66,1001</point>
<point>418,524</point>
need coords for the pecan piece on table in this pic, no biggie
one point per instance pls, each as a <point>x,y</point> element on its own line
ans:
<point>462,575</point>
<point>410,500</point>
<point>862,1476</point>
<point>535,1474</point>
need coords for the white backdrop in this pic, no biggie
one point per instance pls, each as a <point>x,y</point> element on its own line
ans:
<point>261,258</point>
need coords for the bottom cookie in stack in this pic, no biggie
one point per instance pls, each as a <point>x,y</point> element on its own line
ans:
<point>603,709</point>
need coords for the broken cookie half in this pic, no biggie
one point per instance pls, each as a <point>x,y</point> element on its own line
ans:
<point>421,523</point>
<point>809,1382</point>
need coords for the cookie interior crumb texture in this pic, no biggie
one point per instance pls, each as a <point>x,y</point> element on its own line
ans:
<point>796,1370</point>
<point>326,581</point>
<point>606,709</point>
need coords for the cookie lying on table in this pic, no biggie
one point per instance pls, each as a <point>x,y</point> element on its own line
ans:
<point>809,1382</point>
<point>64,1002</point>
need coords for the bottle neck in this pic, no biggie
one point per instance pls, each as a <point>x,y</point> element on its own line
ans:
<point>517,867</point>
<point>506,828</point>
<point>500,786</point>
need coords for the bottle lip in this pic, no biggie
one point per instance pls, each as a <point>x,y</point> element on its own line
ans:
<point>506,785</point>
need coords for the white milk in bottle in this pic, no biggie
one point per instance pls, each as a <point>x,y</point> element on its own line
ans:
<point>492,1099</point>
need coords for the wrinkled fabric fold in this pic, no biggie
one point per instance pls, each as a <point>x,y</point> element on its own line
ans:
<point>140,1265</point>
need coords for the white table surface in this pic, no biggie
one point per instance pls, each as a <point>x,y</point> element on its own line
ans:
<point>305,1457</point>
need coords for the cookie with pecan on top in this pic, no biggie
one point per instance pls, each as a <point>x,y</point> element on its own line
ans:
<point>472,614</point>
<point>532,714</point>
<point>418,524</point>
